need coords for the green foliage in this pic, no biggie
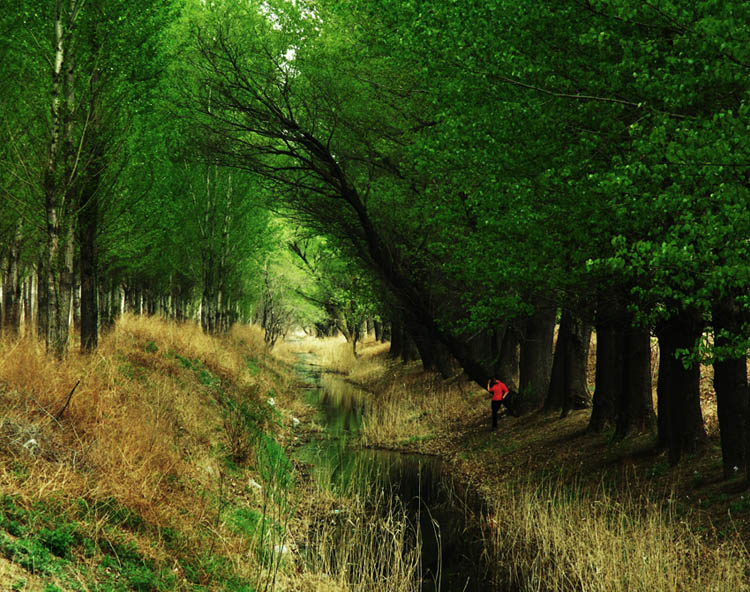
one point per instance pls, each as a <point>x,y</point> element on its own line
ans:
<point>59,540</point>
<point>112,511</point>
<point>28,553</point>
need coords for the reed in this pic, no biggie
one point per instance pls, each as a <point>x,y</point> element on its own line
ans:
<point>363,541</point>
<point>562,537</point>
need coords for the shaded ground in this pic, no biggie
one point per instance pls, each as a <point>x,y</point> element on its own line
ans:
<point>543,446</point>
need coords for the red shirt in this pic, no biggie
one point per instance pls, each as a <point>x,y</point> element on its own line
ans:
<point>498,390</point>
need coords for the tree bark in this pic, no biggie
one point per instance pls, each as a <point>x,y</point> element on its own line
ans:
<point>731,386</point>
<point>507,368</point>
<point>568,387</point>
<point>58,175</point>
<point>608,383</point>
<point>680,394</point>
<point>409,351</point>
<point>635,408</point>
<point>397,336</point>
<point>11,311</point>
<point>88,220</point>
<point>535,359</point>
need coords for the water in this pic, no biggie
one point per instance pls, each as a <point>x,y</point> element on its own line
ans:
<point>451,544</point>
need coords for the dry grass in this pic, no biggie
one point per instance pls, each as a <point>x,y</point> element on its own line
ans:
<point>148,432</point>
<point>337,356</point>
<point>560,538</point>
<point>146,427</point>
<point>570,534</point>
<point>133,424</point>
<point>361,542</point>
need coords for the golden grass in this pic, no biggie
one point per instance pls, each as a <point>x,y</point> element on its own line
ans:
<point>147,427</point>
<point>142,428</point>
<point>562,535</point>
<point>560,538</point>
<point>363,546</point>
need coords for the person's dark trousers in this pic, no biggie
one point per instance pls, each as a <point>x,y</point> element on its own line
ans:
<point>495,408</point>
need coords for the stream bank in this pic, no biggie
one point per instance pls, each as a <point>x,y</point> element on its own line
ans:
<point>568,509</point>
<point>442,515</point>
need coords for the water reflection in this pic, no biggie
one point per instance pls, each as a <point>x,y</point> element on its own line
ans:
<point>451,548</point>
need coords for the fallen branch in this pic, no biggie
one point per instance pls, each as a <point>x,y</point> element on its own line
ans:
<point>70,396</point>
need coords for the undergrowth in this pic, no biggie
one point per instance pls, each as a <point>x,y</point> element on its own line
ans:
<point>552,524</point>
<point>134,485</point>
<point>169,470</point>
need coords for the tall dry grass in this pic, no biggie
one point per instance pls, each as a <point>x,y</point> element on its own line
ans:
<point>369,546</point>
<point>414,406</point>
<point>147,429</point>
<point>562,538</point>
<point>140,427</point>
<point>336,355</point>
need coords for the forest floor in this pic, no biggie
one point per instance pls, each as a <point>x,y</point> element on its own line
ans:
<point>544,445</point>
<point>420,413</point>
<point>148,480</point>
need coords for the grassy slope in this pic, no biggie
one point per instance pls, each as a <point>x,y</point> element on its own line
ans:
<point>147,481</point>
<point>169,470</point>
<point>570,510</point>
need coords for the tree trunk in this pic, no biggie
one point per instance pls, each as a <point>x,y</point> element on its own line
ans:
<point>608,383</point>
<point>42,301</point>
<point>577,394</point>
<point>556,390</point>
<point>568,387</point>
<point>635,409</point>
<point>88,219</point>
<point>730,384</point>
<point>681,393</point>
<point>507,368</point>
<point>535,360</point>
<point>433,353</point>
<point>409,350</point>
<point>29,300</point>
<point>58,176</point>
<point>397,336</point>
<point>11,312</point>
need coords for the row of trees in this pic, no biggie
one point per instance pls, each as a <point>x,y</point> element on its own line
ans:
<point>470,173</point>
<point>105,208</point>
<point>495,164</point>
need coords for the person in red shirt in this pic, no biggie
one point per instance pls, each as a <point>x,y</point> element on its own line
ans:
<point>499,391</point>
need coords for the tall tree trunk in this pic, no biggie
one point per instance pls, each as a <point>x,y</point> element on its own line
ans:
<point>386,336</point>
<point>577,395</point>
<point>507,368</point>
<point>12,282</point>
<point>433,353</point>
<point>635,409</point>
<point>568,387</point>
<point>29,302</point>
<point>556,390</point>
<point>608,383</point>
<point>535,360</point>
<point>409,350</point>
<point>681,393</point>
<point>377,327</point>
<point>730,384</point>
<point>397,336</point>
<point>42,300</point>
<point>88,221</point>
<point>58,176</point>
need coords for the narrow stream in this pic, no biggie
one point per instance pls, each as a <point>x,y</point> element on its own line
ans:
<point>451,544</point>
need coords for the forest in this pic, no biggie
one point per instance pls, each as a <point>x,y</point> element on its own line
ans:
<point>476,180</point>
